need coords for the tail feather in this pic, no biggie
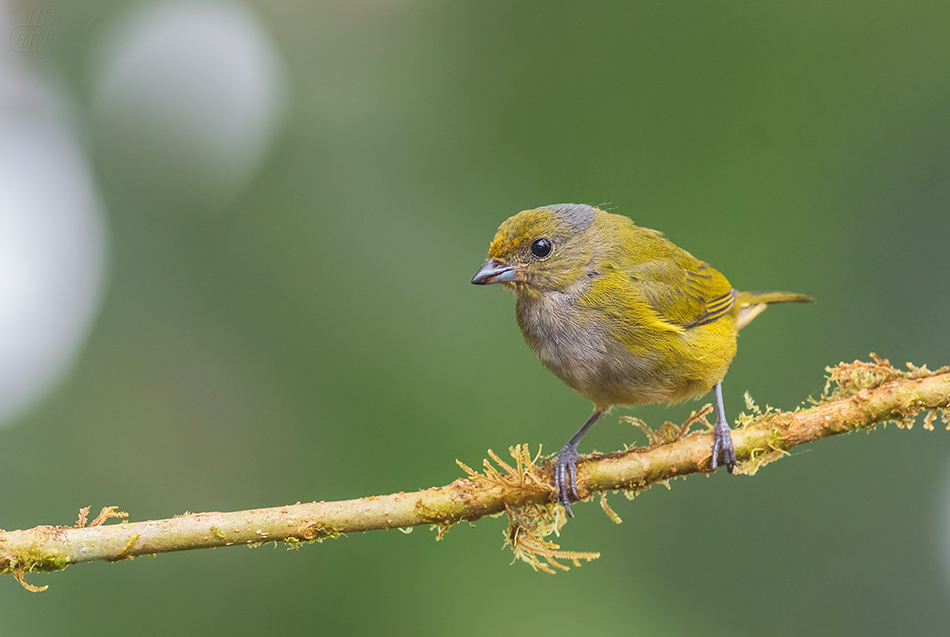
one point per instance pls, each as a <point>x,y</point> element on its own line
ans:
<point>751,304</point>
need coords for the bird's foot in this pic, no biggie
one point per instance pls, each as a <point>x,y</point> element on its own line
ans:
<point>724,453</point>
<point>565,476</point>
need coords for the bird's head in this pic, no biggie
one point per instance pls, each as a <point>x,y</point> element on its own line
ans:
<point>541,250</point>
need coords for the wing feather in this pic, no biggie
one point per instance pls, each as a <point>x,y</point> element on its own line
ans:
<point>683,291</point>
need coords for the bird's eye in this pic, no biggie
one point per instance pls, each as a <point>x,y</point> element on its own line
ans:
<point>541,247</point>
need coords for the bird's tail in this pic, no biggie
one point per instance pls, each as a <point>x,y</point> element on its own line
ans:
<point>751,304</point>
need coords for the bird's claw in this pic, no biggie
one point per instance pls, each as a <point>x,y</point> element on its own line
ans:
<point>565,476</point>
<point>724,453</point>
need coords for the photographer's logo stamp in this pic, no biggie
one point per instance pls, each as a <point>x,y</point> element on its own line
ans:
<point>29,39</point>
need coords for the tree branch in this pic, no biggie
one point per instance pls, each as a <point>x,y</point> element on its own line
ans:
<point>858,396</point>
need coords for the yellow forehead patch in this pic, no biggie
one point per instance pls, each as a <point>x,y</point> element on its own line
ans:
<point>520,229</point>
<point>496,246</point>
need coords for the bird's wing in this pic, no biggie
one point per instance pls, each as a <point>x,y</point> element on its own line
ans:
<point>682,290</point>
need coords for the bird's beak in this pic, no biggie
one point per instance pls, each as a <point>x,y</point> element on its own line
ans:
<point>494,271</point>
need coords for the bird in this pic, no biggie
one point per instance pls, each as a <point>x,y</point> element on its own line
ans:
<point>621,315</point>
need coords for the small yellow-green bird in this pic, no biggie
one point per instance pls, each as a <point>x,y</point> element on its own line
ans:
<point>620,314</point>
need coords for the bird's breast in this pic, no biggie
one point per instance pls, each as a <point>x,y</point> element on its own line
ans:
<point>574,343</point>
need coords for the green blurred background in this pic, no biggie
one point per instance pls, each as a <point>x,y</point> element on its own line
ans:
<point>305,329</point>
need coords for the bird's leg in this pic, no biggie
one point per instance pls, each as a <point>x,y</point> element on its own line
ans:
<point>723,451</point>
<point>565,472</point>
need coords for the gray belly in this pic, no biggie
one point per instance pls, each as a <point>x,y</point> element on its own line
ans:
<point>585,356</point>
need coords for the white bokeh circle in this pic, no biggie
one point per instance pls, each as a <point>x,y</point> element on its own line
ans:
<point>188,97</point>
<point>52,248</point>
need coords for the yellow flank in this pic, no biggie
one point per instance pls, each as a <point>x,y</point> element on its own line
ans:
<point>617,311</point>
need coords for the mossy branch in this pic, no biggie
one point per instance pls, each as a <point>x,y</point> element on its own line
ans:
<point>858,396</point>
